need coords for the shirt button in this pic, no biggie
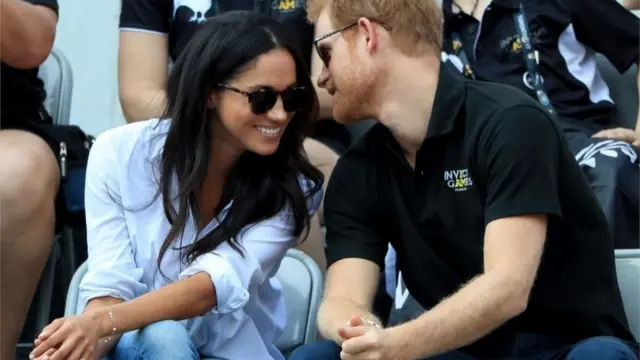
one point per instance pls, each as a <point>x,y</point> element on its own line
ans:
<point>422,172</point>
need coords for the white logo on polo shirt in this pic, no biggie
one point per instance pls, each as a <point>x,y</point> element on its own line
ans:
<point>458,180</point>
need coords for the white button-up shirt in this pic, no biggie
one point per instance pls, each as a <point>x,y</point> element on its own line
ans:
<point>126,226</point>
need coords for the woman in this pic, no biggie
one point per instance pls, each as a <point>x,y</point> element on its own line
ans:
<point>154,32</point>
<point>189,217</point>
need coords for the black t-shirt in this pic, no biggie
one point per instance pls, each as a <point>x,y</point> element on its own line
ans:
<point>567,35</point>
<point>490,152</point>
<point>180,18</point>
<point>22,91</point>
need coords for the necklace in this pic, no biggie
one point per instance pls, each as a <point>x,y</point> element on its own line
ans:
<point>473,10</point>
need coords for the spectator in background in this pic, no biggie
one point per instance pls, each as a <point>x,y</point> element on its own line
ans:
<point>29,171</point>
<point>631,4</point>
<point>483,39</point>
<point>496,229</point>
<point>153,33</point>
<point>189,216</point>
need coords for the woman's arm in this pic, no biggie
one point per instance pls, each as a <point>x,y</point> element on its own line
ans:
<point>102,348</point>
<point>142,74</point>
<point>217,281</point>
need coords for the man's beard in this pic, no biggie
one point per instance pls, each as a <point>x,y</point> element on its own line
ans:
<point>355,96</point>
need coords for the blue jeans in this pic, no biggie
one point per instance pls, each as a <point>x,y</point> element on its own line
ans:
<point>162,340</point>
<point>596,348</point>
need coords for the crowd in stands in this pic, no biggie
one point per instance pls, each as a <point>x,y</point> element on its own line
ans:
<point>494,186</point>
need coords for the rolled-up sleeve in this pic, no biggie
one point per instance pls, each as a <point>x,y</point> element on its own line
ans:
<point>112,269</point>
<point>264,246</point>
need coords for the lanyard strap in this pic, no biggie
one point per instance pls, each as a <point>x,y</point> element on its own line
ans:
<point>462,55</point>
<point>531,60</point>
<point>531,78</point>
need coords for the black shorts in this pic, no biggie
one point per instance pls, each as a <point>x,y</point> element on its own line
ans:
<point>34,124</point>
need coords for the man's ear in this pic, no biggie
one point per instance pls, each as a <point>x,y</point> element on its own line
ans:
<point>368,31</point>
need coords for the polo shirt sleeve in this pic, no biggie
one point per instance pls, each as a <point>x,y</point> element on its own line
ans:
<point>51,4</point>
<point>518,157</point>
<point>146,15</point>
<point>349,216</point>
<point>608,28</point>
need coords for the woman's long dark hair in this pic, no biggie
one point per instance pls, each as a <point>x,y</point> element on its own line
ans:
<point>260,186</point>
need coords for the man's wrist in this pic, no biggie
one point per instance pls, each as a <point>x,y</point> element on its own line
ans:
<point>405,341</point>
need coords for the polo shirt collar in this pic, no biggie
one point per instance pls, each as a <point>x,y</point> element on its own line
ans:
<point>447,5</point>
<point>450,95</point>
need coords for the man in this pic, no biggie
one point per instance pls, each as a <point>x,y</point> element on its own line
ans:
<point>29,172</point>
<point>562,37</point>
<point>497,232</point>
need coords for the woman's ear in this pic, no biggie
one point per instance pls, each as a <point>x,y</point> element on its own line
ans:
<point>212,100</point>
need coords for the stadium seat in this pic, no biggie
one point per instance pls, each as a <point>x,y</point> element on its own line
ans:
<point>623,89</point>
<point>628,269</point>
<point>302,284</point>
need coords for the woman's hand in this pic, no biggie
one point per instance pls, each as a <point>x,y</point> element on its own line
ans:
<point>69,338</point>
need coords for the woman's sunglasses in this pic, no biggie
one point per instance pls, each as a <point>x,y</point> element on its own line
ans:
<point>263,100</point>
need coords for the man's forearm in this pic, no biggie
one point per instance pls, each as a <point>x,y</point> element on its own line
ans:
<point>28,32</point>
<point>335,313</point>
<point>471,313</point>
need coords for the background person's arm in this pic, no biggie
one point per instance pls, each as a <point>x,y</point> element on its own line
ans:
<point>608,28</point>
<point>143,61</point>
<point>143,57</point>
<point>28,32</point>
<point>631,4</point>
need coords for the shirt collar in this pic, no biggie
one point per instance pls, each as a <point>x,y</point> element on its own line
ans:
<point>449,98</point>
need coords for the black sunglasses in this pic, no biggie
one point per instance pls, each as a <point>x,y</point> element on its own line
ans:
<point>263,100</point>
<point>324,52</point>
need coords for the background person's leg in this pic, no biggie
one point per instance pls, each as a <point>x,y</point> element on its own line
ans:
<point>162,340</point>
<point>324,158</point>
<point>611,167</point>
<point>603,348</point>
<point>29,180</point>
<point>313,245</point>
<point>321,350</point>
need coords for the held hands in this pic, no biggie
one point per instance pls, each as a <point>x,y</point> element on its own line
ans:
<point>366,341</point>
<point>68,338</point>
<point>621,134</point>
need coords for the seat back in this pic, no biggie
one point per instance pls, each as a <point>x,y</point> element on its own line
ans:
<point>56,74</point>
<point>628,270</point>
<point>623,89</point>
<point>302,285</point>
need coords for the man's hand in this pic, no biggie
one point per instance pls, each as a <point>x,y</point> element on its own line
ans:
<point>363,341</point>
<point>622,134</point>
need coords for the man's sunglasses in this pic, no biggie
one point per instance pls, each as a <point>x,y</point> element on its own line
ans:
<point>263,100</point>
<point>324,52</point>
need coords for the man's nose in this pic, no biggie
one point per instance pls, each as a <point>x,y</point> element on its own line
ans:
<point>323,78</point>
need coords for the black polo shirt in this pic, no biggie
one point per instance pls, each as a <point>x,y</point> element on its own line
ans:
<point>180,18</point>
<point>567,35</point>
<point>490,152</point>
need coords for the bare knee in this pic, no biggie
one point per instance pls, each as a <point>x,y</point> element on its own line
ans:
<point>324,159</point>
<point>29,175</point>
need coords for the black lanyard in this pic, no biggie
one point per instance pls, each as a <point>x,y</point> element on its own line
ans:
<point>531,78</point>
